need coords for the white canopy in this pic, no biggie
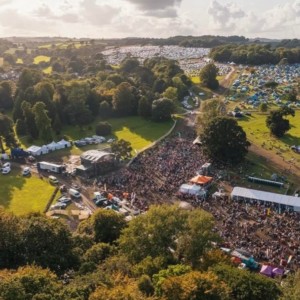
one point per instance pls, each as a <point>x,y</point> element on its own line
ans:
<point>64,143</point>
<point>34,150</point>
<point>52,146</point>
<point>240,193</point>
<point>191,189</point>
<point>44,149</point>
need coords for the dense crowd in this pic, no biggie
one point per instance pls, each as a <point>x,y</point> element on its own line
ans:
<point>156,175</point>
<point>259,229</point>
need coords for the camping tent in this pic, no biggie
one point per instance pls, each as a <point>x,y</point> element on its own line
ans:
<point>34,150</point>
<point>201,180</point>
<point>64,144</point>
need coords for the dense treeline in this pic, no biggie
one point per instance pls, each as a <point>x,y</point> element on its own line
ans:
<point>42,105</point>
<point>254,54</point>
<point>294,43</point>
<point>165,254</point>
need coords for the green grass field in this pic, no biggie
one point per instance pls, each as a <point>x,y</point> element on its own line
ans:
<point>258,134</point>
<point>22,195</point>
<point>19,61</point>
<point>139,132</point>
<point>41,58</point>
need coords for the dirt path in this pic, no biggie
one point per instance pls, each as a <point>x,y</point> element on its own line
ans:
<point>286,167</point>
<point>227,81</point>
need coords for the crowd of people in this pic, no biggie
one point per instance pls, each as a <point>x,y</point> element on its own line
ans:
<point>269,236</point>
<point>155,177</point>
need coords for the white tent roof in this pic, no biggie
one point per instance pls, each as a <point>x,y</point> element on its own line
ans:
<point>34,149</point>
<point>266,196</point>
<point>63,142</point>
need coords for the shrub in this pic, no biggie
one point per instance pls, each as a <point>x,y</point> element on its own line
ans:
<point>103,128</point>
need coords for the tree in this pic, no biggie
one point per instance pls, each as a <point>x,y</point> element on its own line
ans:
<point>129,65</point>
<point>171,93</point>
<point>276,122</point>
<point>29,120</point>
<point>97,253</point>
<point>28,283</point>
<point>144,109</point>
<point>57,125</point>
<point>47,243</point>
<point>122,149</point>
<point>291,287</point>
<point>223,140</point>
<point>42,121</point>
<point>6,95</point>
<point>162,109</point>
<point>263,107</point>
<point>105,226</point>
<point>123,99</point>
<point>208,76</point>
<point>245,285</point>
<point>210,109</point>
<point>271,84</point>
<point>103,128</point>
<point>21,127</point>
<point>292,96</point>
<point>6,129</point>
<point>105,109</point>
<point>149,236</point>
<point>195,285</point>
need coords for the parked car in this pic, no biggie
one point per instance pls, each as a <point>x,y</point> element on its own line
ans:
<point>53,179</point>
<point>74,193</point>
<point>76,187</point>
<point>58,205</point>
<point>64,199</point>
<point>31,158</point>
<point>6,165</point>
<point>6,170</point>
<point>26,171</point>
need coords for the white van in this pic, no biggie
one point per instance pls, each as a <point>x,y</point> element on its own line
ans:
<point>74,193</point>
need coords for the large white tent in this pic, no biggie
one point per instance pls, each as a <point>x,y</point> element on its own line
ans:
<point>191,190</point>
<point>52,146</point>
<point>64,144</point>
<point>34,150</point>
<point>44,149</point>
<point>240,194</point>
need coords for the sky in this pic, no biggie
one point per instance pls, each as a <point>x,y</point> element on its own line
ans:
<point>150,18</point>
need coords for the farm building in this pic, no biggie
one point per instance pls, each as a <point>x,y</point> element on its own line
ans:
<point>95,162</point>
<point>282,201</point>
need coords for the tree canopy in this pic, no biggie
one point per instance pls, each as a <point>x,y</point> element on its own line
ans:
<point>223,140</point>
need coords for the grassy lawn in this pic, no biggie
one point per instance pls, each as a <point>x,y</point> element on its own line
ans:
<point>258,134</point>
<point>48,70</point>
<point>41,58</point>
<point>139,132</point>
<point>22,195</point>
<point>195,79</point>
<point>19,61</point>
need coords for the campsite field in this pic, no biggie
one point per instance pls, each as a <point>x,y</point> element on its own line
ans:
<point>41,58</point>
<point>17,196</point>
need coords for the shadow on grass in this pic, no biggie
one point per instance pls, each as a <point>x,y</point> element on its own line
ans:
<point>8,183</point>
<point>290,140</point>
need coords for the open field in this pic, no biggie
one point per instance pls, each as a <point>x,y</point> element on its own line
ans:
<point>22,195</point>
<point>19,61</point>
<point>139,132</point>
<point>41,58</point>
<point>258,134</point>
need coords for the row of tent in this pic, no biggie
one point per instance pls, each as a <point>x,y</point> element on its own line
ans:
<point>39,150</point>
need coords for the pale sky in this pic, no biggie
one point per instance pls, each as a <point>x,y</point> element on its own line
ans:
<point>150,18</point>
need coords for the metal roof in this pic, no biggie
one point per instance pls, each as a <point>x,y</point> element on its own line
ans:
<point>266,196</point>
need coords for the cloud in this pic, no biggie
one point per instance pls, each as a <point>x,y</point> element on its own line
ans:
<point>44,11</point>
<point>17,23</point>
<point>231,18</point>
<point>158,8</point>
<point>225,16</point>
<point>98,14</point>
